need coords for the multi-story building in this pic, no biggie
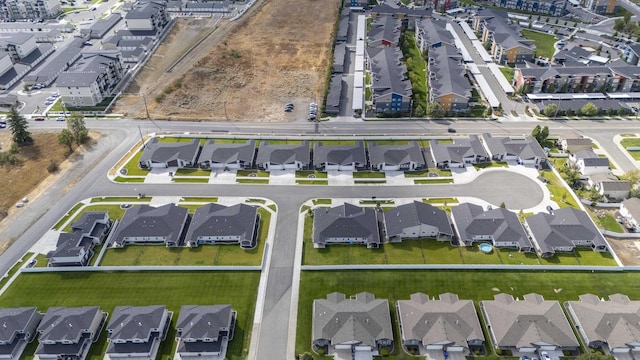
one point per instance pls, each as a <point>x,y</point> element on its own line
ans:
<point>448,85</point>
<point>391,87</point>
<point>578,79</point>
<point>93,78</point>
<point>29,9</point>
<point>631,54</point>
<point>549,7</point>
<point>147,15</point>
<point>601,6</point>
<point>507,46</point>
<point>441,5</point>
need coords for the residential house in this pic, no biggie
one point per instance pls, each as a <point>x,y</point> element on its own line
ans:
<point>524,150</point>
<point>549,7</point>
<point>631,53</point>
<point>610,326</point>
<point>448,324</point>
<point>91,79</point>
<point>527,325</point>
<point>358,325</point>
<point>340,158</point>
<point>283,157</point>
<point>29,9</point>
<point>630,211</point>
<point>145,224</point>
<point>395,157</point>
<point>67,333</point>
<point>573,145</point>
<point>384,31</point>
<point>75,248</point>
<point>147,16</point>
<point>391,88</point>
<point>345,224</point>
<point>507,44</point>
<point>18,329</point>
<point>578,78</point>
<point>609,186</point>
<point>219,224</point>
<point>136,331</point>
<point>459,153</point>
<point>449,84</point>
<point>587,163</point>
<point>227,156</point>
<point>563,231</point>
<point>500,227</point>
<point>157,154</point>
<point>204,331</point>
<point>417,220</point>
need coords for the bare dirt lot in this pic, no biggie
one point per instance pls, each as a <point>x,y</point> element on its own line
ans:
<point>627,250</point>
<point>246,70</point>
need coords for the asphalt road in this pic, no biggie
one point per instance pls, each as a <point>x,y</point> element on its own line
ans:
<point>88,178</point>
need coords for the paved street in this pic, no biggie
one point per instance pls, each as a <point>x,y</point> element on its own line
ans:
<point>87,180</point>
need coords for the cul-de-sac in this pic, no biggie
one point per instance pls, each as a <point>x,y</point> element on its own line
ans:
<point>335,179</point>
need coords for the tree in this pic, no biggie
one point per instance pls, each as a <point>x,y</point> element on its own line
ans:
<point>18,125</point>
<point>433,110</point>
<point>419,111</point>
<point>550,110</point>
<point>627,17</point>
<point>503,205</point>
<point>618,25</point>
<point>632,176</point>
<point>65,138</point>
<point>589,109</point>
<point>540,133</point>
<point>307,356</point>
<point>78,128</point>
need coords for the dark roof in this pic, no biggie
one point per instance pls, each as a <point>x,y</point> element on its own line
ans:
<point>363,319</point>
<point>385,9</point>
<point>61,324</point>
<point>340,155</point>
<point>218,220</point>
<point>457,151</point>
<point>385,27</point>
<point>227,153</point>
<point>159,152</point>
<point>395,154</point>
<point>447,72</point>
<point>283,154</point>
<point>525,148</point>
<point>503,225</point>
<point>204,322</point>
<point>345,221</point>
<point>16,321</point>
<point>145,220</point>
<point>414,214</point>
<point>563,228</point>
<point>388,71</point>
<point>591,159</point>
<point>129,323</point>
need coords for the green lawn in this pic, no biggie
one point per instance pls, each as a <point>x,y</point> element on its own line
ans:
<point>368,175</point>
<point>322,201</point>
<point>508,73</point>
<point>262,181</point>
<point>201,255</point>
<point>256,173</point>
<point>193,172</point>
<point>66,216</point>
<point>119,199</point>
<point>132,166</point>
<point>122,179</point>
<point>631,142</point>
<point>559,193</point>
<point>607,222</point>
<point>490,164</point>
<point>425,173</point>
<point>307,173</point>
<point>172,289</point>
<point>200,199</point>
<point>474,285</point>
<point>543,42</point>
<point>416,69</point>
<point>312,182</point>
<point>440,200</point>
<point>190,180</point>
<point>14,269</point>
<point>176,139</point>
<point>115,212</point>
<point>432,181</point>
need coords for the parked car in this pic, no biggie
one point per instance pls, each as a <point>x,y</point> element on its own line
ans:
<point>544,355</point>
<point>51,98</point>
<point>3,124</point>
<point>60,118</point>
<point>48,102</point>
<point>31,263</point>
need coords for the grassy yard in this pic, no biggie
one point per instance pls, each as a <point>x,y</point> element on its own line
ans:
<point>543,42</point>
<point>256,173</point>
<point>132,166</point>
<point>122,179</point>
<point>440,200</point>
<point>559,193</point>
<point>416,69</point>
<point>14,269</point>
<point>474,285</point>
<point>66,216</point>
<point>368,175</point>
<point>262,181</point>
<point>607,222</point>
<point>631,142</point>
<point>307,173</point>
<point>115,212</point>
<point>425,173</point>
<point>200,199</point>
<point>201,255</point>
<point>312,182</point>
<point>193,172</point>
<point>491,164</point>
<point>190,180</point>
<point>172,289</point>
<point>508,73</point>
<point>432,181</point>
<point>119,199</point>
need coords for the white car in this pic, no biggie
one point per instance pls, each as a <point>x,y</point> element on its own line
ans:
<point>544,355</point>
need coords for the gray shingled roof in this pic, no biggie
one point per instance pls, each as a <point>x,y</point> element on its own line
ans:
<point>345,221</point>
<point>147,221</point>
<point>386,28</point>
<point>591,159</point>
<point>61,324</point>
<point>447,320</point>
<point>129,323</point>
<point>389,74</point>
<point>503,225</point>
<point>633,206</point>
<point>144,10</point>
<point>457,151</point>
<point>283,154</point>
<point>73,243</point>
<point>159,152</point>
<point>340,155</point>
<point>414,214</point>
<point>227,153</point>
<point>525,148</point>
<point>563,228</point>
<point>433,31</point>
<point>385,9</point>
<point>197,323</point>
<point>447,72</point>
<point>615,321</point>
<point>16,321</point>
<point>85,71</point>
<point>219,220</point>
<point>527,322</point>
<point>395,154</point>
<point>341,320</point>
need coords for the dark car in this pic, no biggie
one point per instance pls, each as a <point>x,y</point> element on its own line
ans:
<point>3,124</point>
<point>39,119</point>
<point>451,130</point>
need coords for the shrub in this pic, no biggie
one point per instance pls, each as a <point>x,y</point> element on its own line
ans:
<point>159,98</point>
<point>53,166</point>
<point>498,351</point>
<point>384,352</point>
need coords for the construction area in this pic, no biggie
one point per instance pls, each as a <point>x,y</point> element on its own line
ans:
<point>278,52</point>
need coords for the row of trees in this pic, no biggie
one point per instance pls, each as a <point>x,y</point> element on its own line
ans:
<point>589,109</point>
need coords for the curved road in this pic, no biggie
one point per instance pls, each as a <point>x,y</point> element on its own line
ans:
<point>492,186</point>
